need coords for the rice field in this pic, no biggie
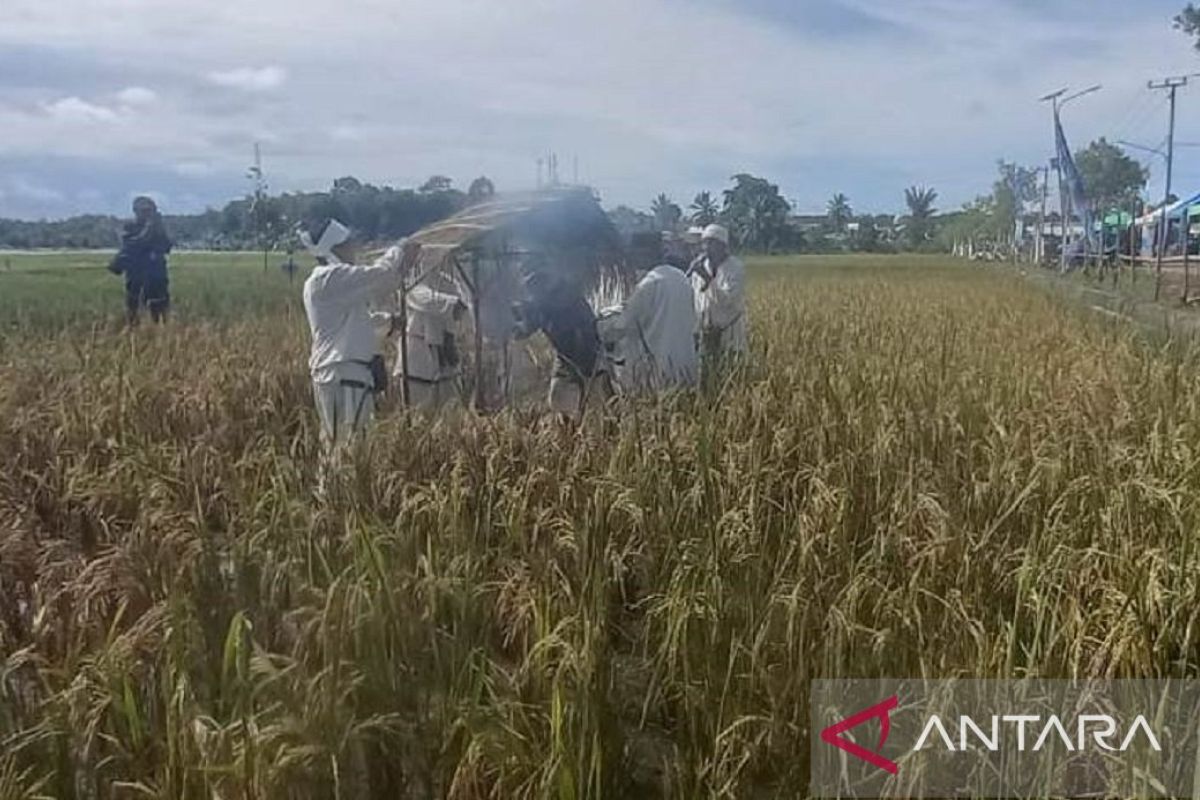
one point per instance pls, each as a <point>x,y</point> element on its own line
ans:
<point>929,468</point>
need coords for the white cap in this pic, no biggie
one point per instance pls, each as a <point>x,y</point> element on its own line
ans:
<point>335,233</point>
<point>718,232</point>
<point>694,235</point>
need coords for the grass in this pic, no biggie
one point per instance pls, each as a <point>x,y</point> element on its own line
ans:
<point>48,292</point>
<point>929,469</point>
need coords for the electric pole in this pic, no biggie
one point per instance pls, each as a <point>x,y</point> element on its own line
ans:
<point>1171,85</point>
<point>1039,247</point>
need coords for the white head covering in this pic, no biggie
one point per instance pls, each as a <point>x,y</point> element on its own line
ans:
<point>694,235</point>
<point>335,233</point>
<point>718,232</point>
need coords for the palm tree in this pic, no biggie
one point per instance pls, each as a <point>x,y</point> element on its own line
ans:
<point>704,209</point>
<point>666,213</point>
<point>920,202</point>
<point>839,212</point>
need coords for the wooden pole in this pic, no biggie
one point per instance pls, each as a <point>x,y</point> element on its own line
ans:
<point>1187,253</point>
<point>1172,85</point>
<point>1133,231</point>
<point>1160,244</point>
<point>1116,262</point>
<point>1039,247</point>
<point>405,392</point>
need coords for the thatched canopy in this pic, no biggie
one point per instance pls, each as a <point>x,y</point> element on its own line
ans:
<point>556,223</point>
<point>482,253</point>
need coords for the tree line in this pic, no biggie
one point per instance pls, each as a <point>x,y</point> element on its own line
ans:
<point>752,207</point>
<point>1114,182</point>
<point>261,221</point>
<point>762,220</point>
<point>758,216</point>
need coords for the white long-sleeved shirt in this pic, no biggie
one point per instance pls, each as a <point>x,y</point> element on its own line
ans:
<point>721,306</point>
<point>656,330</point>
<point>430,318</point>
<point>337,300</point>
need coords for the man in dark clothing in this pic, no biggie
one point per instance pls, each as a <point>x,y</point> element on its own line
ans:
<point>142,259</point>
<point>559,310</point>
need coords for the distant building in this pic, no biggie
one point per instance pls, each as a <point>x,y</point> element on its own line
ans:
<point>807,223</point>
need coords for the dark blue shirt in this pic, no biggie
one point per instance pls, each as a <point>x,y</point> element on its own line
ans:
<point>144,249</point>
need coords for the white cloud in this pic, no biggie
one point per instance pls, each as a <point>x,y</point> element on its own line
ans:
<point>250,79</point>
<point>193,169</point>
<point>348,133</point>
<point>75,110</point>
<point>137,96</point>
<point>652,95</point>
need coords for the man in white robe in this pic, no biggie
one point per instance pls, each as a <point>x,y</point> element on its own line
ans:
<point>719,281</point>
<point>655,330</point>
<point>431,346</point>
<point>337,300</point>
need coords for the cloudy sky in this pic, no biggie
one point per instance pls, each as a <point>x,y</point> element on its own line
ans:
<point>104,99</point>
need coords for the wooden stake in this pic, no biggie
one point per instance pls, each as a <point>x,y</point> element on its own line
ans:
<point>1133,230</point>
<point>405,393</point>
<point>479,404</point>
<point>1187,253</point>
<point>1162,236</point>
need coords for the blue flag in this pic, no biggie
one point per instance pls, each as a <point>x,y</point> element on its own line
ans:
<point>1076,192</point>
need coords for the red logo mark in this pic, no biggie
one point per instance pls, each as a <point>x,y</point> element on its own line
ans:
<point>833,734</point>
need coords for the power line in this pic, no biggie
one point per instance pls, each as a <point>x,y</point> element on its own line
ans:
<point>1133,110</point>
<point>1136,122</point>
<point>1155,150</point>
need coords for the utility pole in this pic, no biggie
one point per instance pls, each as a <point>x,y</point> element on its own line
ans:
<point>1164,223</point>
<point>1133,227</point>
<point>1171,85</point>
